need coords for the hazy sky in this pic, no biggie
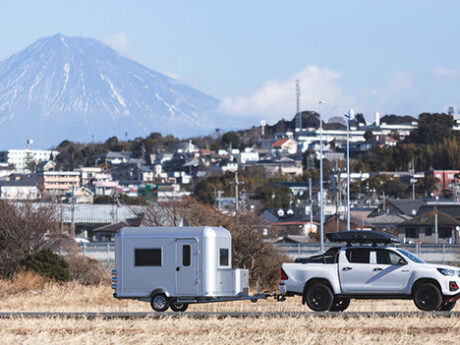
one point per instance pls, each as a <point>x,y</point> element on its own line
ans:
<point>399,57</point>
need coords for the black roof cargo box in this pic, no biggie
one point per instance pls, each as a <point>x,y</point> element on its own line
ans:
<point>362,236</point>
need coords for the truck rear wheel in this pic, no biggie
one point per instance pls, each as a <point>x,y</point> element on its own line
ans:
<point>427,297</point>
<point>448,306</point>
<point>340,304</point>
<point>319,297</point>
<point>159,302</point>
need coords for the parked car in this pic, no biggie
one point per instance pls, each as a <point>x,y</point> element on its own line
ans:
<point>369,266</point>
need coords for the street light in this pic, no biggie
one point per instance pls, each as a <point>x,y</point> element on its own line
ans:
<point>321,216</point>
<point>349,117</point>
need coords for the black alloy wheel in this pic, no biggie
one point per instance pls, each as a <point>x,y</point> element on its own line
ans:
<point>319,297</point>
<point>340,304</point>
<point>427,297</point>
<point>179,307</point>
<point>159,302</point>
<point>447,306</point>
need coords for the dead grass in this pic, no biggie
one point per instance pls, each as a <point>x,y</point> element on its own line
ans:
<point>393,330</point>
<point>30,294</point>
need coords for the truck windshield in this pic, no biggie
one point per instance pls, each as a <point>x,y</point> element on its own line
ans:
<point>411,256</point>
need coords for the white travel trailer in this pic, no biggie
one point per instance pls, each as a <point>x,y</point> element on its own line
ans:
<point>176,266</point>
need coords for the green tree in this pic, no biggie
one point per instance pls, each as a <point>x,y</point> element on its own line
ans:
<point>433,128</point>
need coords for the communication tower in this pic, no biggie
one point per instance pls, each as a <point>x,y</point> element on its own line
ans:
<point>298,116</point>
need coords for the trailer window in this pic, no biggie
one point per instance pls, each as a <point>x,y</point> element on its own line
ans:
<point>223,257</point>
<point>147,257</point>
<point>186,255</point>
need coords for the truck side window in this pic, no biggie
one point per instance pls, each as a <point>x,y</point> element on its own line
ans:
<point>223,257</point>
<point>358,255</point>
<point>387,257</point>
<point>186,255</point>
<point>147,257</point>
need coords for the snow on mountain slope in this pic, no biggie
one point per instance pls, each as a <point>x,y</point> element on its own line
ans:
<point>73,88</point>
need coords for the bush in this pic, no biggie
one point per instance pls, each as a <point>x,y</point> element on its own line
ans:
<point>47,264</point>
<point>86,271</point>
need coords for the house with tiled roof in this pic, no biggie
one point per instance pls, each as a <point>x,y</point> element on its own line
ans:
<point>426,227</point>
<point>284,146</point>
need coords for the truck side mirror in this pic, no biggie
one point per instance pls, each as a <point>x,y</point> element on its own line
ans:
<point>402,262</point>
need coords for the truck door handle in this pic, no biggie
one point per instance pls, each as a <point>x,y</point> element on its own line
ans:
<point>177,269</point>
<point>346,268</point>
<point>378,269</point>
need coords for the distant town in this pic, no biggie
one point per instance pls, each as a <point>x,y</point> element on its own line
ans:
<point>269,170</point>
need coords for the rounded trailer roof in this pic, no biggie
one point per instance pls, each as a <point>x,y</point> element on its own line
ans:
<point>172,231</point>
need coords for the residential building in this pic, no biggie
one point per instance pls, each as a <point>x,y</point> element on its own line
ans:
<point>106,188</point>
<point>430,227</point>
<point>89,175</point>
<point>81,195</point>
<point>21,158</point>
<point>54,183</point>
<point>446,179</point>
<point>46,165</point>
<point>25,189</point>
<point>127,173</point>
<point>248,155</point>
<point>288,146</point>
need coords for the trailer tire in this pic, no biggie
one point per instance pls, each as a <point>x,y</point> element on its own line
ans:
<point>178,307</point>
<point>159,302</point>
<point>319,297</point>
<point>427,297</point>
<point>340,304</point>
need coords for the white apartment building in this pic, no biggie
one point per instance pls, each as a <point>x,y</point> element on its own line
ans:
<point>89,175</point>
<point>20,158</point>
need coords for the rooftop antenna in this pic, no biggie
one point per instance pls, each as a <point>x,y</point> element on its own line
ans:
<point>298,117</point>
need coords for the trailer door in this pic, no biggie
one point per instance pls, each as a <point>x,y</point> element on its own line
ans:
<point>187,280</point>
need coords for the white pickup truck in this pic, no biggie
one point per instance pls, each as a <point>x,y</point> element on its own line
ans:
<point>368,267</point>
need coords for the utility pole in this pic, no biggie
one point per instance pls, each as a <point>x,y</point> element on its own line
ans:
<point>351,114</point>
<point>310,166</point>
<point>436,233</point>
<point>321,217</point>
<point>72,227</point>
<point>236,183</point>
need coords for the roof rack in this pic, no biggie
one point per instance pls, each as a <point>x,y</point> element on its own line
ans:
<point>362,236</point>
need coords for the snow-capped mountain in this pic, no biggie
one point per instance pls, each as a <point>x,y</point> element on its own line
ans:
<point>75,88</point>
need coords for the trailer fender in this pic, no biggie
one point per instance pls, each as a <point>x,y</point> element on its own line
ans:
<point>159,290</point>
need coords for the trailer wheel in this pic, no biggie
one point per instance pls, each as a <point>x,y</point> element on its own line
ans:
<point>319,297</point>
<point>427,297</point>
<point>180,307</point>
<point>340,304</point>
<point>448,306</point>
<point>159,302</point>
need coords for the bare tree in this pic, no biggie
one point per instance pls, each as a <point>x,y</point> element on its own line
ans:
<point>24,229</point>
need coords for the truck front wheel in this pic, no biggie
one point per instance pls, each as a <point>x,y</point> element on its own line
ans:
<point>319,297</point>
<point>159,302</point>
<point>427,297</point>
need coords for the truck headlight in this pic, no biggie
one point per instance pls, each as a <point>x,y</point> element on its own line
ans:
<point>446,272</point>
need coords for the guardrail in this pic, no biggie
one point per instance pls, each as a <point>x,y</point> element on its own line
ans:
<point>438,253</point>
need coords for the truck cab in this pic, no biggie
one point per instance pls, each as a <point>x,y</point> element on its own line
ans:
<point>369,267</point>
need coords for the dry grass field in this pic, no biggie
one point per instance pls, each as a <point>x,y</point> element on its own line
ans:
<point>30,293</point>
